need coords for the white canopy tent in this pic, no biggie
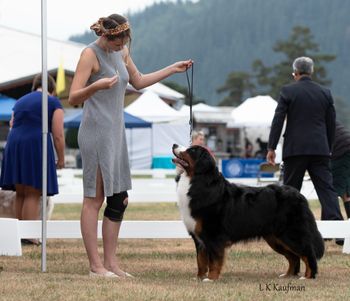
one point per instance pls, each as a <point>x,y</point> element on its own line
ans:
<point>254,117</point>
<point>253,112</point>
<point>204,113</point>
<point>200,107</point>
<point>150,107</point>
<point>161,90</point>
<point>257,111</point>
<point>169,125</point>
<point>139,141</point>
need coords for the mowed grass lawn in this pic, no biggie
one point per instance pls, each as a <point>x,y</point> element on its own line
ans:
<point>165,269</point>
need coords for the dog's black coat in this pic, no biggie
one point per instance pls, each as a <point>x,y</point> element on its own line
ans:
<point>230,213</point>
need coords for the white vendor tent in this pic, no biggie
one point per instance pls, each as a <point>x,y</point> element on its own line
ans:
<point>150,107</point>
<point>139,141</point>
<point>204,113</point>
<point>152,147</point>
<point>161,90</point>
<point>254,117</point>
<point>169,125</point>
<point>257,111</point>
<point>200,107</point>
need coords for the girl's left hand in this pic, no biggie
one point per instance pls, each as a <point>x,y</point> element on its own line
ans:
<point>182,66</point>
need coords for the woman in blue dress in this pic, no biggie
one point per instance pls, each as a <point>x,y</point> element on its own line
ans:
<point>21,169</point>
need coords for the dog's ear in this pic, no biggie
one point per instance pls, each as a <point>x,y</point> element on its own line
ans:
<point>205,162</point>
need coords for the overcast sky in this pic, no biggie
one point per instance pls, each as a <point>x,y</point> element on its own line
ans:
<point>65,17</point>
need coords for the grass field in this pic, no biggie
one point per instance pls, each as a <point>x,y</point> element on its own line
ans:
<point>165,269</point>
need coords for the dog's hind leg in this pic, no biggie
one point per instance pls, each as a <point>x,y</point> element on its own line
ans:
<point>293,259</point>
<point>294,264</point>
<point>311,266</point>
<point>306,254</point>
<point>216,262</point>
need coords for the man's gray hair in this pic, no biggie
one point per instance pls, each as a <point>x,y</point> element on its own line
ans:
<point>303,65</point>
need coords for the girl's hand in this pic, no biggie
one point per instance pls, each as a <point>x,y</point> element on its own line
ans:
<point>182,66</point>
<point>107,82</point>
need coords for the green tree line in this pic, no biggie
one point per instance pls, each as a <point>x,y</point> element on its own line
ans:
<point>269,79</point>
<point>227,36</point>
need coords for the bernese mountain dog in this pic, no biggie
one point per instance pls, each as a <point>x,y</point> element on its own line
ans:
<point>218,213</point>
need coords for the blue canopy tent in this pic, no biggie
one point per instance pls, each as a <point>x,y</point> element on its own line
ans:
<point>73,121</point>
<point>6,105</point>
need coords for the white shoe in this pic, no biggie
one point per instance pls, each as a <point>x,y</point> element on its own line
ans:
<point>125,275</point>
<point>107,274</point>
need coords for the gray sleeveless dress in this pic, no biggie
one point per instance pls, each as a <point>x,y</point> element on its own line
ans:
<point>101,136</point>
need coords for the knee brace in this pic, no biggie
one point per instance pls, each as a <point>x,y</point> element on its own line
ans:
<point>116,205</point>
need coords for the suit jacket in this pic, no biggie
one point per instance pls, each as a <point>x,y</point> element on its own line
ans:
<point>341,144</point>
<point>310,113</point>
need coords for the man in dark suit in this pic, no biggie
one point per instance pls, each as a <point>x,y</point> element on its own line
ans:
<point>308,137</point>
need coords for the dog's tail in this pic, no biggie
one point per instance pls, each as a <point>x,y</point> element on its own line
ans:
<point>318,244</point>
<point>314,236</point>
<point>306,220</point>
<point>316,240</point>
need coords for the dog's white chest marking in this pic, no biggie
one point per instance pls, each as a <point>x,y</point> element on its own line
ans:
<point>184,202</point>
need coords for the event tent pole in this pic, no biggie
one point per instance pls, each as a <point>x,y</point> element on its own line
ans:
<point>44,130</point>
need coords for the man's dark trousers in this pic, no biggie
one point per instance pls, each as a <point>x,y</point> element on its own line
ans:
<point>321,177</point>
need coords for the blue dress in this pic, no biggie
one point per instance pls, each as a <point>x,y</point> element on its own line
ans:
<point>22,159</point>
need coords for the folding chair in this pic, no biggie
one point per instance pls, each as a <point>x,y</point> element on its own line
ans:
<point>268,174</point>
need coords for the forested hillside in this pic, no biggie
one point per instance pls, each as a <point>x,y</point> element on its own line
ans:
<point>228,35</point>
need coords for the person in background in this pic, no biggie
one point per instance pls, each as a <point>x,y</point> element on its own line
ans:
<point>229,149</point>
<point>248,148</point>
<point>198,138</point>
<point>340,165</point>
<point>308,137</point>
<point>21,169</point>
<point>103,71</point>
<point>262,152</point>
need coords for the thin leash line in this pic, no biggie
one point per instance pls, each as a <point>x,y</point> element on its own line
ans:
<point>190,96</point>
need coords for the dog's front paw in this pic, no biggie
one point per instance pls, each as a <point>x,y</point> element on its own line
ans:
<point>285,275</point>
<point>207,280</point>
